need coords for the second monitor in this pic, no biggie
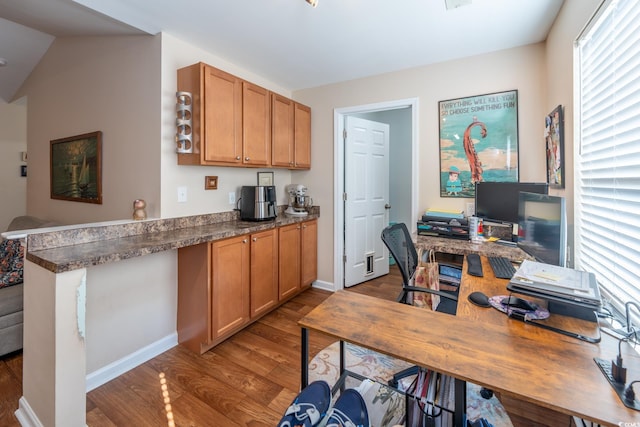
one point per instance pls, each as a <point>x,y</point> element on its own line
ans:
<point>498,201</point>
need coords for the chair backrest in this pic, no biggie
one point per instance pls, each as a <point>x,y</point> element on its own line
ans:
<point>398,239</point>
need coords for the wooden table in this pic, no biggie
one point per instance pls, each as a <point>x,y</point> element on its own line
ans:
<point>482,346</point>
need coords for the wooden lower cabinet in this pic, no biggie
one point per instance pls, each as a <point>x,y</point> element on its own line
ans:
<point>289,261</point>
<point>298,257</point>
<point>264,272</point>
<point>225,285</point>
<point>230,293</point>
<point>309,253</point>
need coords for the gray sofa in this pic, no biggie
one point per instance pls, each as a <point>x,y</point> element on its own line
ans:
<point>11,286</point>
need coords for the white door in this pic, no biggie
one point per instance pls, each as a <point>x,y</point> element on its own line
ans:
<point>366,176</point>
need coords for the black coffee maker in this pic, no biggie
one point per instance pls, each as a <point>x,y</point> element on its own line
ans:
<point>258,202</point>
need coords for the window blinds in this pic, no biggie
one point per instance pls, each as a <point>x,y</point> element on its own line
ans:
<point>607,163</point>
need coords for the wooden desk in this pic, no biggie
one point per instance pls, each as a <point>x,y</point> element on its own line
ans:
<point>482,346</point>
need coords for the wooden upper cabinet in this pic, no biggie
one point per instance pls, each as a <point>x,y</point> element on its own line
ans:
<point>282,131</point>
<point>216,115</point>
<point>256,125</point>
<point>290,133</point>
<point>237,123</point>
<point>302,136</point>
<point>222,117</point>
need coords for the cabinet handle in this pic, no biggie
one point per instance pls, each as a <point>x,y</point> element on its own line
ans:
<point>304,226</point>
<point>246,159</point>
<point>255,239</point>
<point>245,241</point>
<point>238,157</point>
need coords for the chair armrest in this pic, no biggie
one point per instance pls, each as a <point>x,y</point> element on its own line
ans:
<point>443,294</point>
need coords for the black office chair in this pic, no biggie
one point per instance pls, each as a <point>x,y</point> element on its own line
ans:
<point>398,239</point>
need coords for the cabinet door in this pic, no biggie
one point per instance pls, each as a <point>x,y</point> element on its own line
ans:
<point>282,131</point>
<point>302,135</point>
<point>309,252</point>
<point>289,260</point>
<point>264,271</point>
<point>256,125</point>
<point>222,117</point>
<point>230,285</point>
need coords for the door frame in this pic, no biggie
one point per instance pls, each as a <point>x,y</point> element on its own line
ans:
<point>338,178</point>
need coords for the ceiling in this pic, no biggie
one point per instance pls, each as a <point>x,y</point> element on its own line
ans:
<point>287,42</point>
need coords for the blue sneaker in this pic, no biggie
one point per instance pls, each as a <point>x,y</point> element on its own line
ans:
<point>350,410</point>
<point>309,407</point>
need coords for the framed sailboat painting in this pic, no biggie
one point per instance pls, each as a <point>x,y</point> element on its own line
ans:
<point>76,168</point>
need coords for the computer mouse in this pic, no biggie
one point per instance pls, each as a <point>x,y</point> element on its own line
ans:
<point>519,303</point>
<point>479,299</point>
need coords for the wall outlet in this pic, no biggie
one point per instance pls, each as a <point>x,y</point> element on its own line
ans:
<point>182,194</point>
<point>232,197</point>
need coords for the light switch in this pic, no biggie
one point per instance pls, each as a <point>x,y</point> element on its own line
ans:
<point>182,194</point>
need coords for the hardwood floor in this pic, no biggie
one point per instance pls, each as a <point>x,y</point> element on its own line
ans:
<point>248,380</point>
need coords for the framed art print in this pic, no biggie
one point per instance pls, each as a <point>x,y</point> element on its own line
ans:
<point>478,142</point>
<point>76,168</point>
<point>265,178</point>
<point>554,142</point>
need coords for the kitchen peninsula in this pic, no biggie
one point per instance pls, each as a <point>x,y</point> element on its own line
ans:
<point>56,282</point>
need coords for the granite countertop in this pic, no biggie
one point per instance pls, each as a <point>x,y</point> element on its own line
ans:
<point>463,247</point>
<point>67,250</point>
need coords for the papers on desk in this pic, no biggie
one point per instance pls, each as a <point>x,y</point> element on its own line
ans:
<point>550,281</point>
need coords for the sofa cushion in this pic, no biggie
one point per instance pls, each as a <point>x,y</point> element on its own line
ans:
<point>11,299</point>
<point>12,319</point>
<point>11,339</point>
<point>11,262</point>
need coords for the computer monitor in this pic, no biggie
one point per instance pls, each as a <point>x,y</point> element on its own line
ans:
<point>542,227</point>
<point>498,201</point>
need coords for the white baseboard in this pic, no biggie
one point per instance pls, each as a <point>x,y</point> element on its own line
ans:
<point>25,415</point>
<point>113,370</point>
<point>327,286</point>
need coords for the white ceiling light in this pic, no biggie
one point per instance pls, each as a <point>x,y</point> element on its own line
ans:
<point>453,4</point>
<point>313,3</point>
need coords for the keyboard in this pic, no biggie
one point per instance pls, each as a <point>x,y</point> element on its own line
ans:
<point>502,267</point>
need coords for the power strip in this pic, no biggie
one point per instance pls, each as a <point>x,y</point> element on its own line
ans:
<point>605,367</point>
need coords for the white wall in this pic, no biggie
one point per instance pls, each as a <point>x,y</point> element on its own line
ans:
<point>110,84</point>
<point>520,68</point>
<point>130,304</point>
<point>13,141</point>
<point>107,84</point>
